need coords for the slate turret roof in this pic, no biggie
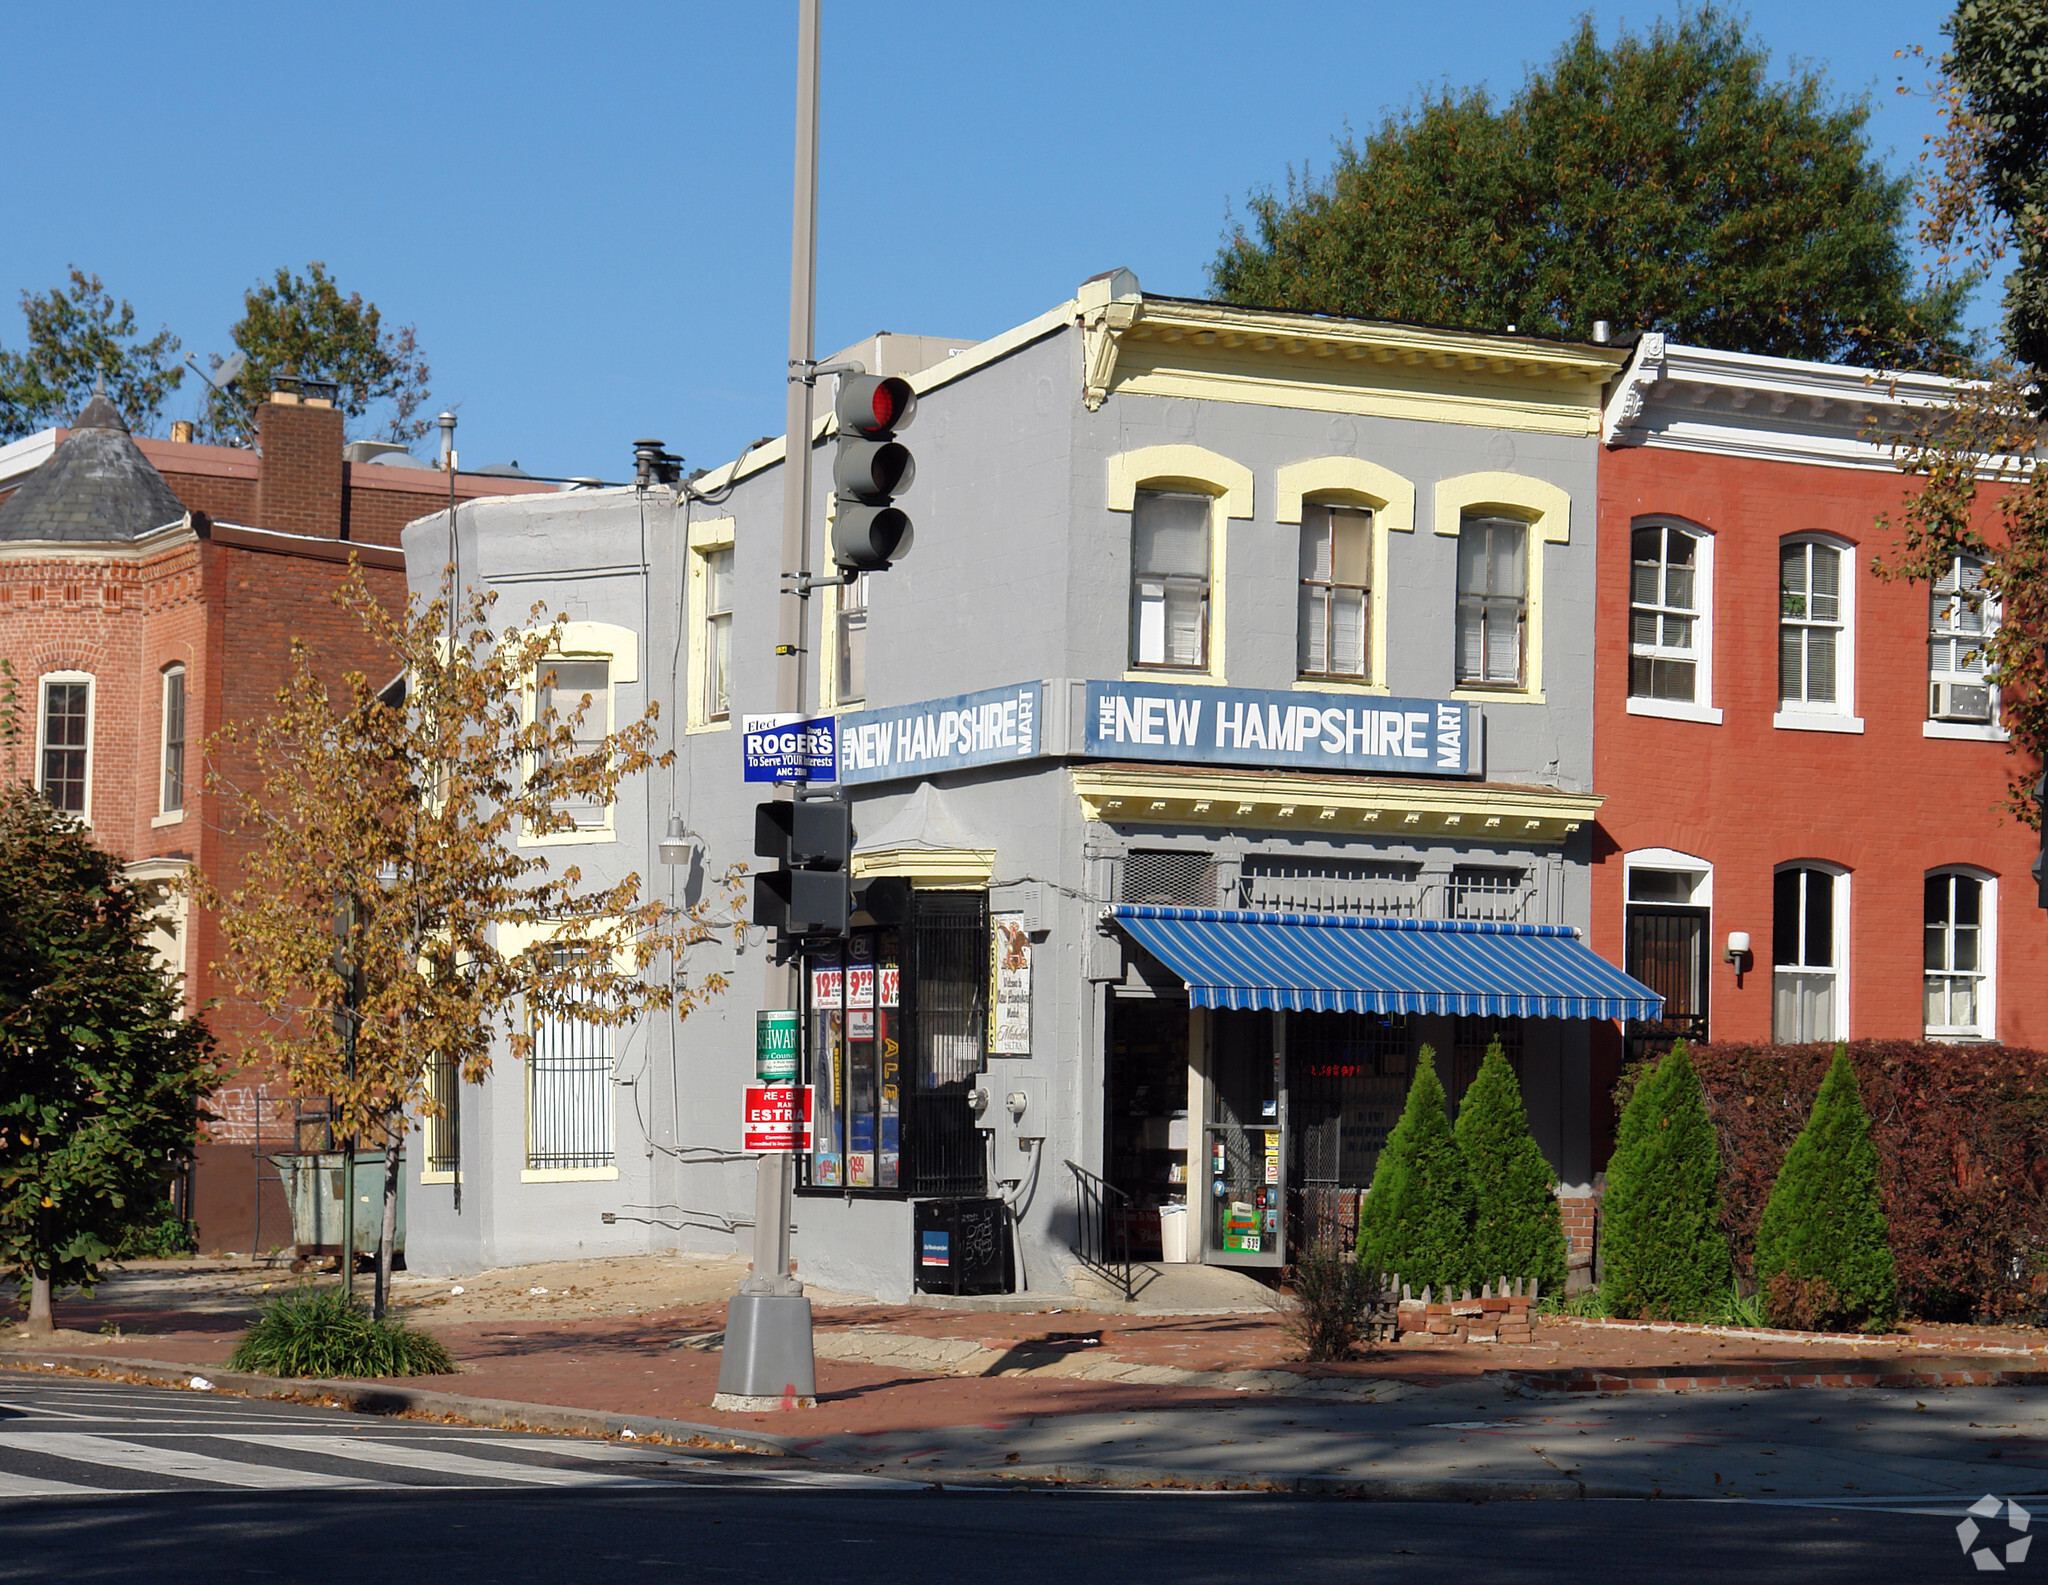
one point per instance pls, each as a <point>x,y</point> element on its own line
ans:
<point>96,487</point>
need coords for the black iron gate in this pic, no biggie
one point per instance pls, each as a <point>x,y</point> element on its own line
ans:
<point>1666,948</point>
<point>946,997</point>
<point>1341,1070</point>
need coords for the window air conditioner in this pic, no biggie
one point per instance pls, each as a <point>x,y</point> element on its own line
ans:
<point>1960,701</point>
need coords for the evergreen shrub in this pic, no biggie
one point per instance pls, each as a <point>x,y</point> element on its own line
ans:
<point>1517,1229</point>
<point>1417,1217</point>
<point>321,1332</point>
<point>1665,1255</point>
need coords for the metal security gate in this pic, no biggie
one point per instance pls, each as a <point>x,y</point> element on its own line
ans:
<point>945,993</point>
<point>1346,1081</point>
<point>1666,948</point>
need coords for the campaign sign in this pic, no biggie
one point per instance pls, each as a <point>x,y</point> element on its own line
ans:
<point>770,1122</point>
<point>788,748</point>
<point>1186,725</point>
<point>992,727</point>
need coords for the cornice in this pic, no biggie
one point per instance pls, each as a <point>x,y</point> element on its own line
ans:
<point>1348,806</point>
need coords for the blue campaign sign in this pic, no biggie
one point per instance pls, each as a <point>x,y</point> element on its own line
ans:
<point>787,748</point>
<point>1296,731</point>
<point>991,727</point>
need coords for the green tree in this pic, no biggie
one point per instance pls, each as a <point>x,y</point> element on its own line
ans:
<point>302,324</point>
<point>386,862</point>
<point>1417,1217</point>
<point>101,1075</point>
<point>1823,1256</point>
<point>1664,183</point>
<point>1665,1254</point>
<point>77,337</point>
<point>1517,1229</point>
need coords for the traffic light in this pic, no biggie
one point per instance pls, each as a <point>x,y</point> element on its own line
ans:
<point>811,842</point>
<point>869,531</point>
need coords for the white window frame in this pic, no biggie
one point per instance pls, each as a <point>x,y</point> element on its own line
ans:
<point>92,701</point>
<point>1139,604</point>
<point>167,813</point>
<point>1701,707</point>
<point>513,939</point>
<point>1489,599</point>
<point>1991,731</point>
<point>1322,515</point>
<point>1547,509</point>
<point>1987,958</point>
<point>706,540</point>
<point>1840,925</point>
<point>619,648</point>
<point>1354,482</point>
<point>1669,861</point>
<point>1840,714</point>
<point>1182,470</point>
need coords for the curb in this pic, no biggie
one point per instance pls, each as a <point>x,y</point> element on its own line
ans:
<point>1383,1488</point>
<point>1652,1378</point>
<point>381,1398</point>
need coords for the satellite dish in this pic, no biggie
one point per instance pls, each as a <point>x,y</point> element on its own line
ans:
<point>231,367</point>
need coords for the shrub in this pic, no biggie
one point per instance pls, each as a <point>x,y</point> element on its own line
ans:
<point>1417,1217</point>
<point>1517,1230</point>
<point>1823,1256</point>
<point>1330,1296</point>
<point>1961,1136</point>
<point>1666,1256</point>
<point>320,1332</point>
<point>165,1236</point>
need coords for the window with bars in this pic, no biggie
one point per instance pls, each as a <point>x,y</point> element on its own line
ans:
<point>1330,886</point>
<point>1813,632</point>
<point>443,1128</point>
<point>1170,580</point>
<point>171,791</point>
<point>1666,599</point>
<point>1493,601</point>
<point>573,688</point>
<point>1175,879</point>
<point>1805,969</point>
<point>569,1121</point>
<point>1336,592</point>
<point>1489,893</point>
<point>65,763</point>
<point>1958,966</point>
<point>851,656</point>
<point>1960,617</point>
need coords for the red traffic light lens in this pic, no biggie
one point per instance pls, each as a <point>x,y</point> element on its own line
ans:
<point>884,406</point>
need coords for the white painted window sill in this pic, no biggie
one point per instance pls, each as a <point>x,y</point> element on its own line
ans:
<point>175,818</point>
<point>568,1174</point>
<point>428,1179</point>
<point>1675,710</point>
<point>1813,721</point>
<point>1965,731</point>
<point>568,839</point>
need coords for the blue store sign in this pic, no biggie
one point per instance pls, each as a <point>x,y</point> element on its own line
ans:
<point>1296,731</point>
<point>987,728</point>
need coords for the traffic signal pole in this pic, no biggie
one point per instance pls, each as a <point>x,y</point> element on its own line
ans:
<point>767,1361</point>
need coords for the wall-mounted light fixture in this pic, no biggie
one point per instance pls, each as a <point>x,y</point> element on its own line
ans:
<point>1737,953</point>
<point>678,847</point>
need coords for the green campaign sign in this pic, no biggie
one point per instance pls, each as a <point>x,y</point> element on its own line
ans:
<point>775,1046</point>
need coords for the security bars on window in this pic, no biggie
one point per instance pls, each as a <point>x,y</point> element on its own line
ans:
<point>569,1094</point>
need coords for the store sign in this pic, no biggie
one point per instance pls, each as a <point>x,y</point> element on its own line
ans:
<point>775,1046</point>
<point>1009,991</point>
<point>1187,725</point>
<point>771,1124</point>
<point>992,727</point>
<point>787,748</point>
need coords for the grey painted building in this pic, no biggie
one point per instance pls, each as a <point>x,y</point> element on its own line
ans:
<point>1260,612</point>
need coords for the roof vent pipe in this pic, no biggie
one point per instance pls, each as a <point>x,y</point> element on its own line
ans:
<point>447,423</point>
<point>1600,332</point>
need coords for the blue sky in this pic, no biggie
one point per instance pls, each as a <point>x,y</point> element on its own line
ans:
<point>585,210</point>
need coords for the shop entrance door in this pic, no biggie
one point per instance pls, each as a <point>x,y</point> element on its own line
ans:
<point>1147,1122</point>
<point>1244,1192</point>
<point>1347,1079</point>
<point>1666,949</point>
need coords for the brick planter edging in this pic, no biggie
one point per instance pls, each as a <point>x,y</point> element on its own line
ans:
<point>1827,1373</point>
<point>1500,1314</point>
<point>1780,1335</point>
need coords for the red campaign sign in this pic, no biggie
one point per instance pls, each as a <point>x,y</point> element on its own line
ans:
<point>769,1125</point>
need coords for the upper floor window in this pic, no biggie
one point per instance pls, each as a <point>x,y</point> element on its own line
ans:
<point>171,794</point>
<point>1813,626</point>
<point>1336,591</point>
<point>1170,574</point>
<point>580,687</point>
<point>1666,597</point>
<point>63,759</point>
<point>1493,601</point>
<point>717,637</point>
<point>1806,919</point>
<point>1960,617</point>
<point>1958,957</point>
<point>851,668</point>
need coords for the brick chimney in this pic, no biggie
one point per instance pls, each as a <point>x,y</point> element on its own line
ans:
<point>299,486</point>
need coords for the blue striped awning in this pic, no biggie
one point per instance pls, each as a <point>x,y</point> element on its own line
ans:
<point>1317,963</point>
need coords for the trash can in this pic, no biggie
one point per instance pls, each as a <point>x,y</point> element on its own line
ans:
<point>960,1246</point>
<point>313,1187</point>
<point>1173,1234</point>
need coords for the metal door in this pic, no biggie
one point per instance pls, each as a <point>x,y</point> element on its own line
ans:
<point>1666,948</point>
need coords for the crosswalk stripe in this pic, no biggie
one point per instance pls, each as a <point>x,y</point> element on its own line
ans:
<point>396,1454</point>
<point>113,1453</point>
<point>31,1486</point>
<point>610,1452</point>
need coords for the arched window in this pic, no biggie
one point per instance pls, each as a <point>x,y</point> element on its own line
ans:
<point>1809,953</point>
<point>1959,957</point>
<point>1670,616</point>
<point>171,784</point>
<point>1817,635</point>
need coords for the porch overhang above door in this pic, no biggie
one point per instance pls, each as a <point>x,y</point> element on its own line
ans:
<point>1320,963</point>
<point>1384,807</point>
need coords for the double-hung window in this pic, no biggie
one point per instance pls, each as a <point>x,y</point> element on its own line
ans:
<point>851,657</point>
<point>1666,592</point>
<point>171,793</point>
<point>565,686</point>
<point>1170,580</point>
<point>1960,618</point>
<point>1493,601</point>
<point>1806,973</point>
<point>1958,959</point>
<point>1336,591</point>
<point>718,634</point>
<point>63,762</point>
<point>1813,636</point>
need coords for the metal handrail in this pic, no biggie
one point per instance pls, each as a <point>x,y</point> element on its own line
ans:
<point>1103,1238</point>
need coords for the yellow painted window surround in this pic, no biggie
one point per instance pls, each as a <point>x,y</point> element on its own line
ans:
<point>1547,510</point>
<point>619,648</point>
<point>1352,481</point>
<point>706,540</point>
<point>1196,470</point>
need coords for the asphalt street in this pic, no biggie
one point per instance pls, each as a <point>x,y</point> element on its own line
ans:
<point>101,1481</point>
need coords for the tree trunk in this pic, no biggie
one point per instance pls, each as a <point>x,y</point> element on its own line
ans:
<point>387,1236</point>
<point>41,1321</point>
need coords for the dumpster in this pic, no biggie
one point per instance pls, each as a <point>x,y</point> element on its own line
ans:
<point>313,1188</point>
